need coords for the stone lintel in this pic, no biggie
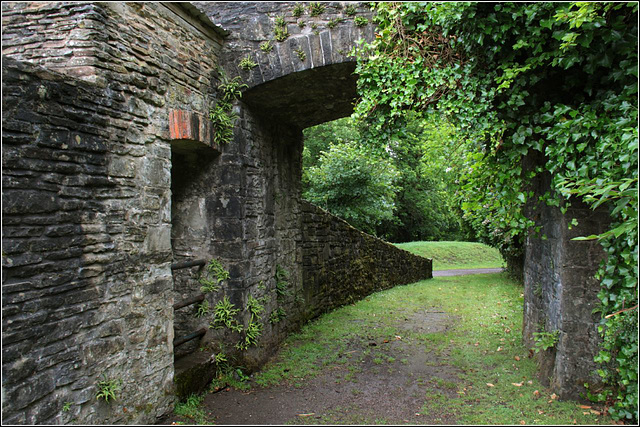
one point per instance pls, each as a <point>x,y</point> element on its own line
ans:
<point>189,126</point>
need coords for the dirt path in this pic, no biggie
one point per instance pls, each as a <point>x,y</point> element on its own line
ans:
<point>380,382</point>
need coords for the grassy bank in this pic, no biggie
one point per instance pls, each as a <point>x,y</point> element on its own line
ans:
<point>456,255</point>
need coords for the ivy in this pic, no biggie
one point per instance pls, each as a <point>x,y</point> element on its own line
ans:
<point>553,81</point>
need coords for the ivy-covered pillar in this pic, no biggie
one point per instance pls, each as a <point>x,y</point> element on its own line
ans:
<point>561,292</point>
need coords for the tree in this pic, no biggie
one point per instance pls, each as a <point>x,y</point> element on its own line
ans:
<point>354,185</point>
<point>425,156</point>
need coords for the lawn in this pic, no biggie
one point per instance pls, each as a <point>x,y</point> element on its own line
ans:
<point>456,255</point>
<point>496,379</point>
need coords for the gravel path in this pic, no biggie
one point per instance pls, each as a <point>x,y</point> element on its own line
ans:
<point>440,273</point>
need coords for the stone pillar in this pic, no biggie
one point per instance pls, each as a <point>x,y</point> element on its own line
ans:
<point>561,292</point>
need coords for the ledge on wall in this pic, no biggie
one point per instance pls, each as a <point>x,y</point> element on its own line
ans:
<point>190,131</point>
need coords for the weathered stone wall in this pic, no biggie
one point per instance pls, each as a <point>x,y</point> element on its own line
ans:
<point>87,286</point>
<point>561,292</point>
<point>342,265</point>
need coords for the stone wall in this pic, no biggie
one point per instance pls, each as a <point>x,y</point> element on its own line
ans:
<point>561,292</point>
<point>87,160</point>
<point>342,265</point>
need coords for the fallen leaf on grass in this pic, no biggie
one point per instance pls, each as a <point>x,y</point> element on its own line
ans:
<point>585,407</point>
<point>306,415</point>
<point>490,385</point>
<point>554,396</point>
<point>593,411</point>
<point>518,384</point>
<point>517,358</point>
<point>523,422</point>
<point>536,393</point>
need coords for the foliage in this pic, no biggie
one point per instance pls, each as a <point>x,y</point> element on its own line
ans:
<point>252,333</point>
<point>281,32</point>
<point>266,46</point>
<point>222,115</point>
<point>302,24</point>
<point>298,10</point>
<point>66,407</point>
<point>247,63</point>
<point>540,91</point>
<point>301,54</point>
<point>316,9</point>
<point>360,21</point>
<point>426,159</point>
<point>333,22</point>
<point>254,328</point>
<point>213,275</point>
<point>254,306</point>
<point>545,340</point>
<point>353,184</point>
<point>224,315</point>
<point>350,10</point>
<point>190,408</point>
<point>282,282</point>
<point>280,22</point>
<point>277,315</point>
<point>108,388</point>
<point>203,309</point>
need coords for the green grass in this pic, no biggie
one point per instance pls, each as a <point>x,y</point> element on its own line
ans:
<point>192,409</point>
<point>485,346</point>
<point>456,255</point>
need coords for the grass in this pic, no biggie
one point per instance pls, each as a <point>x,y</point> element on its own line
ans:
<point>456,255</point>
<point>191,408</point>
<point>497,383</point>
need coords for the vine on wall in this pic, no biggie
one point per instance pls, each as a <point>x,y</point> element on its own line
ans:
<point>556,80</point>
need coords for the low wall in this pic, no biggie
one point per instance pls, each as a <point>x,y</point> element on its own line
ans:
<point>342,265</point>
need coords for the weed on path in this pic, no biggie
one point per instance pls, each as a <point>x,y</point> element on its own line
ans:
<point>442,351</point>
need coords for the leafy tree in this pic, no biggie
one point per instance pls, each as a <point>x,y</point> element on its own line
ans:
<point>354,185</point>
<point>425,158</point>
<point>552,81</point>
<point>319,138</point>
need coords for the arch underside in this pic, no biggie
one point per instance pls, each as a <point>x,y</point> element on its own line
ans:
<point>306,98</point>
